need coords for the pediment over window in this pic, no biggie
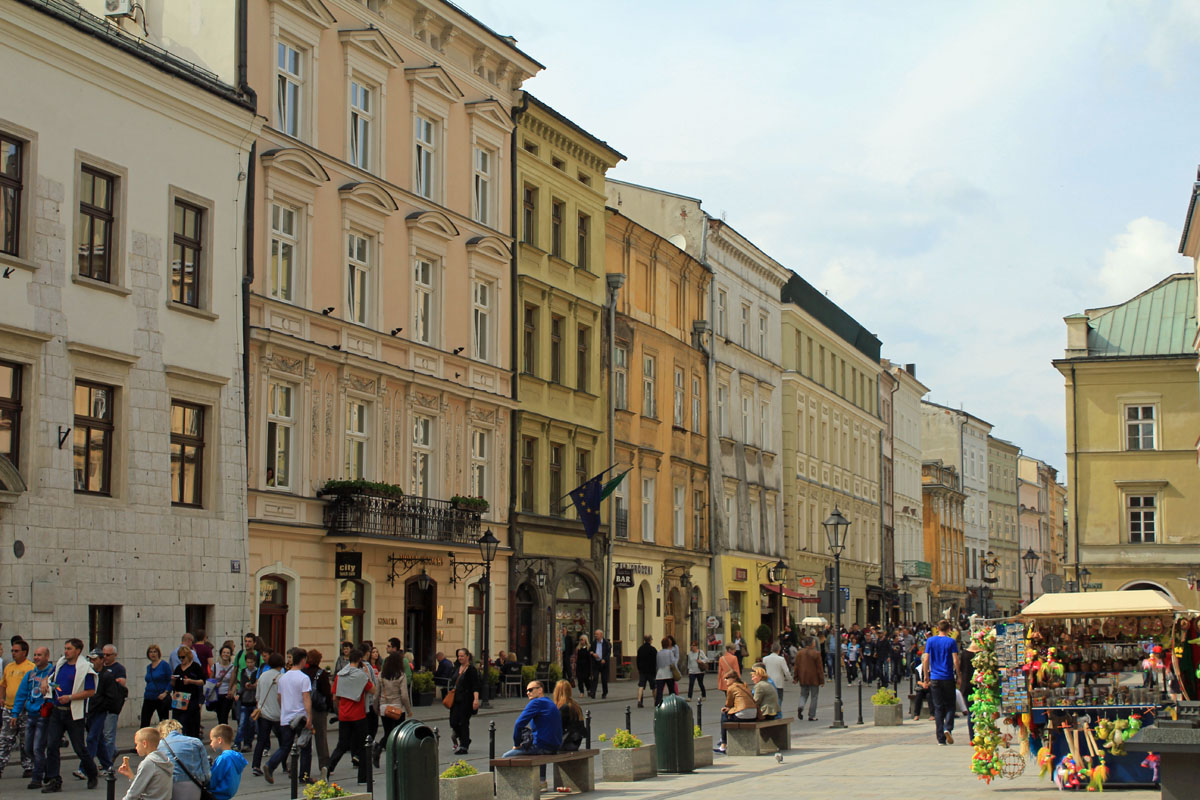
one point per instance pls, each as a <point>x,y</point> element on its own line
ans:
<point>436,80</point>
<point>297,162</point>
<point>314,11</point>
<point>434,222</point>
<point>369,194</point>
<point>490,246</point>
<point>12,485</point>
<point>372,43</point>
<point>492,112</point>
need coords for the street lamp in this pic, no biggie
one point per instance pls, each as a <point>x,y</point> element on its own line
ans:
<point>907,601</point>
<point>1084,574</point>
<point>835,529</point>
<point>1031,561</point>
<point>488,544</point>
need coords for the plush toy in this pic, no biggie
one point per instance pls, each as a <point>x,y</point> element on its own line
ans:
<point>1135,724</point>
<point>1045,760</point>
<point>1151,763</point>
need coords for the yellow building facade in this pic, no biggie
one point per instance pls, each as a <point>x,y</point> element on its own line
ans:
<point>1132,416</point>
<point>944,497</point>
<point>560,429</point>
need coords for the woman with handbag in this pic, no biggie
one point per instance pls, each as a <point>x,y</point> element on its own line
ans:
<point>667,672</point>
<point>188,685</point>
<point>218,690</point>
<point>582,663</point>
<point>157,697</point>
<point>393,699</point>
<point>462,700</point>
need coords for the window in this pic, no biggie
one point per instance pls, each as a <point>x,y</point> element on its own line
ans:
<point>422,455</point>
<point>621,377</point>
<point>723,410</point>
<point>187,454</point>
<point>529,340</point>
<point>763,321</point>
<point>482,186</point>
<point>102,625</point>
<point>280,417</point>
<point>94,234</point>
<point>1139,428</point>
<point>423,301</point>
<point>356,440</point>
<point>361,116</point>
<point>677,516</point>
<point>358,277</point>
<point>764,426</point>
<point>677,395</point>
<point>722,302</point>
<point>647,509</point>
<point>12,185</point>
<point>10,412</point>
<point>582,362</point>
<point>747,419</point>
<point>699,539</point>
<point>731,525</point>
<point>528,462</point>
<point>583,240</point>
<point>649,402</point>
<point>745,339</point>
<point>426,152</point>
<point>622,511</point>
<point>195,617</point>
<point>556,348</point>
<point>556,227</point>
<point>350,598</point>
<point>479,456</point>
<point>93,438</point>
<point>481,301</point>
<point>556,484</point>
<point>283,252</point>
<point>696,421</point>
<point>582,464</point>
<point>288,80</point>
<point>1141,511</point>
<point>529,198</point>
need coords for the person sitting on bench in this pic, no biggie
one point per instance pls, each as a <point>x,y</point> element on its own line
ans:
<point>538,730</point>
<point>739,705</point>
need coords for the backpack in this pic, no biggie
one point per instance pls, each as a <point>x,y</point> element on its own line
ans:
<point>321,702</point>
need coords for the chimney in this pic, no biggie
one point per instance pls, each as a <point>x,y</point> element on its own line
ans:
<point>1077,335</point>
<point>911,369</point>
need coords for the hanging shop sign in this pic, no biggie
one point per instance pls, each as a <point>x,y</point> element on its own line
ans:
<point>623,579</point>
<point>348,565</point>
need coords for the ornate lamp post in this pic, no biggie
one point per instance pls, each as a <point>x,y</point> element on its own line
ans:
<point>488,544</point>
<point>906,603</point>
<point>1031,561</point>
<point>836,528</point>
<point>1084,574</point>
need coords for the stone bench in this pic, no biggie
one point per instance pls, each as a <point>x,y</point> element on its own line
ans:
<point>758,737</point>
<point>518,777</point>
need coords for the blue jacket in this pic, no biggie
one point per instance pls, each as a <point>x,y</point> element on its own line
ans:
<point>158,679</point>
<point>226,774</point>
<point>190,751</point>
<point>28,699</point>
<point>542,716</point>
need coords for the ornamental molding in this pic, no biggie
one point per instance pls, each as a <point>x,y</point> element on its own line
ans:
<point>297,162</point>
<point>371,43</point>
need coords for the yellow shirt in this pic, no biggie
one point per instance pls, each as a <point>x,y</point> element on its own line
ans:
<point>13,672</point>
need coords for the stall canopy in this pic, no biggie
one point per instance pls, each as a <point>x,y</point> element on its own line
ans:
<point>1102,604</point>
<point>770,587</point>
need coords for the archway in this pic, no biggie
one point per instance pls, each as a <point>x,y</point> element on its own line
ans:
<point>574,611</point>
<point>642,601</point>
<point>420,624</point>
<point>1144,584</point>
<point>526,601</point>
<point>273,611</point>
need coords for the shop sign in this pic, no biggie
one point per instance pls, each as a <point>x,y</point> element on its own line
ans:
<point>348,565</point>
<point>806,581</point>
<point>386,621</point>
<point>635,569</point>
<point>623,579</point>
<point>740,574</point>
<point>712,622</point>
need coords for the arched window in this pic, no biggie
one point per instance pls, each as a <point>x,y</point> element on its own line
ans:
<point>475,605</point>
<point>273,611</point>
<point>352,598</point>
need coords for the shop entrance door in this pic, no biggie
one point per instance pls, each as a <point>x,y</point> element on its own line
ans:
<point>419,622</point>
<point>524,628</point>
<point>273,611</point>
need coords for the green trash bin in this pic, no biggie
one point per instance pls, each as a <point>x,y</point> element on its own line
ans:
<point>673,735</point>
<point>411,766</point>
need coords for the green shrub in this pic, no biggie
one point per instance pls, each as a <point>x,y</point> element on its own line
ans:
<point>459,769</point>
<point>625,740</point>
<point>763,633</point>
<point>555,675</point>
<point>885,697</point>
<point>364,487</point>
<point>528,673</point>
<point>493,676</point>
<point>696,732</point>
<point>423,681</point>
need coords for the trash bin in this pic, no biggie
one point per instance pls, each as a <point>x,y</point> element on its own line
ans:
<point>673,735</point>
<point>411,767</point>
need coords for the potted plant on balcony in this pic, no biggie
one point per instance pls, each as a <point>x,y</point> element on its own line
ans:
<point>461,781</point>
<point>887,708</point>
<point>629,759</point>
<point>422,694</point>
<point>334,488</point>
<point>477,504</point>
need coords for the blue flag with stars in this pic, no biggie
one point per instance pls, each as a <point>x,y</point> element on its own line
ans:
<point>587,502</point>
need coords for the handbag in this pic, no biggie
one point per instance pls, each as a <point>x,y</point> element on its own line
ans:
<point>180,700</point>
<point>205,792</point>
<point>959,702</point>
<point>395,712</point>
<point>675,673</point>
<point>448,700</point>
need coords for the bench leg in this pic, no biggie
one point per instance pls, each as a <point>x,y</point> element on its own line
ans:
<point>578,776</point>
<point>740,742</point>
<point>518,783</point>
<point>781,738</point>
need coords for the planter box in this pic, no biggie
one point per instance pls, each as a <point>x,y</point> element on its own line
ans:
<point>889,715</point>
<point>422,698</point>
<point>355,796</point>
<point>704,751</point>
<point>629,764</point>
<point>468,787</point>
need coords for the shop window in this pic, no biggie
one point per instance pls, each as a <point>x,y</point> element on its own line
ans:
<point>352,598</point>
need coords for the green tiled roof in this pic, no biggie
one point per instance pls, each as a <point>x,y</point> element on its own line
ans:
<point>1159,321</point>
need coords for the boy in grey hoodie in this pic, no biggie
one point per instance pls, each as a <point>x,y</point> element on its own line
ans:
<point>154,779</point>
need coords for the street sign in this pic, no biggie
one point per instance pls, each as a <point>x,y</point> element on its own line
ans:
<point>825,603</point>
<point>806,581</point>
<point>1093,585</point>
<point>1051,583</point>
<point>845,594</point>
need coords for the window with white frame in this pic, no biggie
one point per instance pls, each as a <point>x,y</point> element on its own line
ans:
<point>289,87</point>
<point>356,440</point>
<point>677,395</point>
<point>678,518</point>
<point>764,425</point>
<point>763,321</point>
<point>358,277</point>
<point>698,532</point>
<point>621,377</point>
<point>1141,511</point>
<point>747,418</point>
<point>362,115</point>
<point>722,302</point>
<point>482,186</point>
<point>284,245</point>
<point>480,441</point>
<point>280,420</point>
<point>481,301</point>
<point>649,402</point>
<point>422,458</point>
<point>744,341</point>
<point>425,134</point>
<point>696,426</point>
<point>1140,428</point>
<point>723,410</point>
<point>622,511</point>
<point>423,300</point>
<point>731,525</point>
<point>647,509</point>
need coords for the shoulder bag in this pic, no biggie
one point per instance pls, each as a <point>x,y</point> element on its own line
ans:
<point>448,700</point>
<point>205,792</point>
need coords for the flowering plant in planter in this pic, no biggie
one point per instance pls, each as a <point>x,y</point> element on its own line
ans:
<point>362,487</point>
<point>625,740</point>
<point>885,697</point>
<point>323,790</point>
<point>459,769</point>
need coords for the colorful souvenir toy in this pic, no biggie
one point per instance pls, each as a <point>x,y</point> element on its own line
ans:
<point>1151,762</point>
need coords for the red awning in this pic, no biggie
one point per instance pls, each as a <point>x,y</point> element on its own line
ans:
<point>770,587</point>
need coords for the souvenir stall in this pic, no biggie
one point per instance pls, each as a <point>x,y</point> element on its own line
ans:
<point>1070,680</point>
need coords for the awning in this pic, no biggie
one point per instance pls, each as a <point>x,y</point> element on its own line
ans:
<point>1101,604</point>
<point>770,587</point>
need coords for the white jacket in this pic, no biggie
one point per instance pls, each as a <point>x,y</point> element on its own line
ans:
<point>82,670</point>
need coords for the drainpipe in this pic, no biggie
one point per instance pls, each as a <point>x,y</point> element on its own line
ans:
<point>714,444</point>
<point>1075,472</point>
<point>248,257</point>
<point>514,438</point>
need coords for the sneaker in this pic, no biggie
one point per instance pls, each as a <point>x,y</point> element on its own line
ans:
<point>267,774</point>
<point>325,773</point>
<point>949,738</point>
<point>256,772</point>
<point>34,785</point>
<point>719,749</point>
<point>79,774</point>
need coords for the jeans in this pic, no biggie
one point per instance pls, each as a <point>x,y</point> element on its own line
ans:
<point>246,727</point>
<point>35,738</point>
<point>660,687</point>
<point>266,727</point>
<point>531,751</point>
<point>61,722</point>
<point>695,678</point>
<point>352,738</point>
<point>809,693</point>
<point>98,742</point>
<point>942,693</point>
<point>919,697</point>
<point>287,735</point>
<point>9,736</point>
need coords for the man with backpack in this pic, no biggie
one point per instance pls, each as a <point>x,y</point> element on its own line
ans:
<point>107,702</point>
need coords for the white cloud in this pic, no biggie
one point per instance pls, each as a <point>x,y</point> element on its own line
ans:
<point>1138,258</point>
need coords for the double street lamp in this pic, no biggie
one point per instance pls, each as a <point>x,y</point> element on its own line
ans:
<point>836,528</point>
<point>488,544</point>
<point>1031,561</point>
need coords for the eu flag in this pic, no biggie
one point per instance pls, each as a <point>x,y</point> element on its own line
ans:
<point>587,502</point>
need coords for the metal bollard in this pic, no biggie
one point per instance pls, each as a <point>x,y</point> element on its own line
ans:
<point>437,736</point>
<point>294,767</point>
<point>699,706</point>
<point>860,722</point>
<point>111,785</point>
<point>628,723</point>
<point>370,760</point>
<point>492,739</point>
<point>587,718</point>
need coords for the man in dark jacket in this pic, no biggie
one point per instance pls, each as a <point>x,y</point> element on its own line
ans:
<point>647,657</point>
<point>602,653</point>
<point>108,701</point>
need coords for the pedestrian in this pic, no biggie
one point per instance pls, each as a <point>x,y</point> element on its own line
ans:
<point>538,728</point>
<point>571,716</point>
<point>727,665</point>
<point>322,704</point>
<point>70,687</point>
<point>941,666</point>
<point>343,657</point>
<point>103,709</point>
<point>247,701</point>
<point>868,657</point>
<point>581,666</point>
<point>666,673</point>
<point>921,695</point>
<point>351,685</point>
<point>739,649</point>
<point>13,718</point>
<point>219,695</point>
<point>394,702</point>
<point>766,696</point>
<point>204,651</point>
<point>465,686</point>
<point>295,711</point>
<point>602,652</point>
<point>739,705</point>
<point>850,656</point>
<point>227,767</point>
<point>647,665</point>
<point>156,698</point>
<point>250,644</point>
<point>187,640</point>
<point>883,659</point>
<point>966,685</point>
<point>30,700</point>
<point>697,664</point>
<point>809,675</point>
<point>187,757</point>
<point>372,665</point>
<point>266,700</point>
<point>188,684</point>
<point>777,670</point>
<point>153,780</point>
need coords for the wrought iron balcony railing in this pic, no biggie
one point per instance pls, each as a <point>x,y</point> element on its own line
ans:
<point>421,519</point>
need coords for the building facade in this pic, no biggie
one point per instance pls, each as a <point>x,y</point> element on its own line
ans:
<point>1132,417</point>
<point>942,513</point>
<point>661,544</point>
<point>560,428</point>
<point>907,502</point>
<point>122,448</point>
<point>1033,518</point>
<point>380,323</point>
<point>1003,533</point>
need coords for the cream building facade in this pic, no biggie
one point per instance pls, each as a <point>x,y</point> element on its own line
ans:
<point>1003,527</point>
<point>122,447</point>
<point>907,499</point>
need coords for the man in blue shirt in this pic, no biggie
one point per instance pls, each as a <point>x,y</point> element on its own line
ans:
<point>940,665</point>
<point>70,687</point>
<point>541,716</point>
<point>29,701</point>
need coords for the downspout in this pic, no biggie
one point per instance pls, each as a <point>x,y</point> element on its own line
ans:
<point>514,308</point>
<point>962,481</point>
<point>1075,472</point>
<point>714,443</point>
<point>882,515</point>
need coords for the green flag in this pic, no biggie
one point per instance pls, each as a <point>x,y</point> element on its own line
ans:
<point>612,485</point>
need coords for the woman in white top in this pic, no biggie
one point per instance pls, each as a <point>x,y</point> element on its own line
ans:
<point>664,676</point>
<point>697,663</point>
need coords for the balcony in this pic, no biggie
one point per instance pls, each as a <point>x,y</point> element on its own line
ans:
<point>407,518</point>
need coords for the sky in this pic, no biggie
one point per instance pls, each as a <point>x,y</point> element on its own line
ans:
<point>958,176</point>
